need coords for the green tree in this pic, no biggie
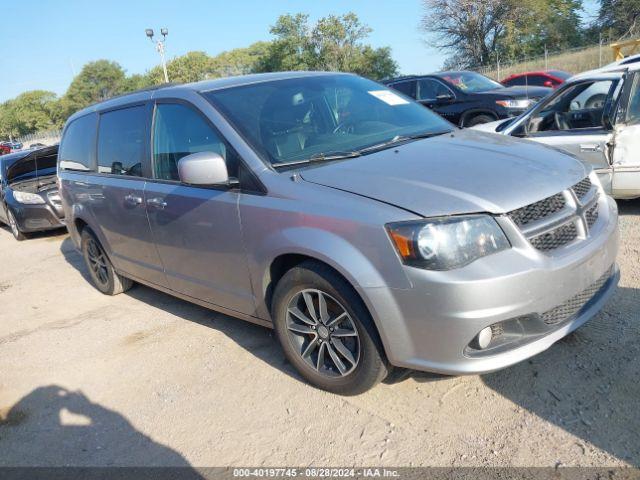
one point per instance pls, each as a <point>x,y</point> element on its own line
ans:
<point>239,61</point>
<point>475,31</point>
<point>27,113</point>
<point>334,43</point>
<point>96,82</point>
<point>190,67</point>
<point>619,19</point>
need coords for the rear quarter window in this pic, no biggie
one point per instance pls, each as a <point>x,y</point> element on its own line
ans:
<point>77,147</point>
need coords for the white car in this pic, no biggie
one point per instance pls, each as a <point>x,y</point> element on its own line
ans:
<point>595,116</point>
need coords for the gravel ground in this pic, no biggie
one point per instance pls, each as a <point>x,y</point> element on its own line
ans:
<point>146,379</point>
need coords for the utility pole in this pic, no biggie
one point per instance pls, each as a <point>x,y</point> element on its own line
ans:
<point>160,48</point>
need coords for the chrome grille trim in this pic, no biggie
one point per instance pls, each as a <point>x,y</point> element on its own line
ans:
<point>561,219</point>
<point>555,238</point>
<point>572,306</point>
<point>582,188</point>
<point>538,210</point>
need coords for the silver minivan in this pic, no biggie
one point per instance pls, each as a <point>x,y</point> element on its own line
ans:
<point>366,230</point>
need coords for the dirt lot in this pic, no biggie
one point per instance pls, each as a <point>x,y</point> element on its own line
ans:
<point>146,379</point>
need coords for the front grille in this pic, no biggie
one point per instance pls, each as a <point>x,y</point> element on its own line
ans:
<point>556,238</point>
<point>539,210</point>
<point>592,215</point>
<point>582,188</point>
<point>572,306</point>
<point>560,219</point>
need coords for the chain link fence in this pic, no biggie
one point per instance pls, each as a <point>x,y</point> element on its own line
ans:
<point>48,137</point>
<point>575,60</point>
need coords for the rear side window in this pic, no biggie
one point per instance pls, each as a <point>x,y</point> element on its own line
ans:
<point>121,141</point>
<point>78,144</point>
<point>408,88</point>
<point>180,131</point>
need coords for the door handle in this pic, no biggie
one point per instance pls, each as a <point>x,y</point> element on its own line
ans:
<point>156,203</point>
<point>133,200</point>
<point>595,147</point>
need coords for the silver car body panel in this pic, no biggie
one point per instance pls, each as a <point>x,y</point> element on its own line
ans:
<point>217,247</point>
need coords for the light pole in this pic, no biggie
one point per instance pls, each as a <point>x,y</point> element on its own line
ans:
<point>160,48</point>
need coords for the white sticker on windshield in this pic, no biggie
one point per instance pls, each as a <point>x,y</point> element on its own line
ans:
<point>388,97</point>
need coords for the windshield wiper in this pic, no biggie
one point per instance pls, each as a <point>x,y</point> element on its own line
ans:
<point>319,157</point>
<point>400,139</point>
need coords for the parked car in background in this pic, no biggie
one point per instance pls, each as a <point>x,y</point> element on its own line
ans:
<point>29,199</point>
<point>4,149</point>
<point>37,145</point>
<point>545,78</point>
<point>468,98</point>
<point>368,231</point>
<point>595,116</point>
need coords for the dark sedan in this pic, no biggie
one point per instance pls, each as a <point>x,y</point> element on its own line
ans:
<point>29,200</point>
<point>468,98</point>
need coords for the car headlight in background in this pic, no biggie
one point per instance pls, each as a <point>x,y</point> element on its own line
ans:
<point>28,198</point>
<point>516,104</point>
<point>447,243</point>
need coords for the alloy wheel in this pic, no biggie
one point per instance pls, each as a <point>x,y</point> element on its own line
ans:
<point>97,262</point>
<point>13,224</point>
<point>323,333</point>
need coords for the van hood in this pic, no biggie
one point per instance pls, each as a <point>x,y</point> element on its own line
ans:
<point>462,172</point>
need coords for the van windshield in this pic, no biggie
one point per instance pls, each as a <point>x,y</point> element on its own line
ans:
<point>323,117</point>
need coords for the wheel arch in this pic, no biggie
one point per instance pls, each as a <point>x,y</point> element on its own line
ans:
<point>283,263</point>
<point>469,114</point>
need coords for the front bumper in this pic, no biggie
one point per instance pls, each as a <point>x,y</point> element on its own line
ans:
<point>35,218</point>
<point>430,326</point>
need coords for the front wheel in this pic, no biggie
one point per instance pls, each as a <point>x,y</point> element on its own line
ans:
<point>15,229</point>
<point>101,271</point>
<point>326,332</point>
<point>478,120</point>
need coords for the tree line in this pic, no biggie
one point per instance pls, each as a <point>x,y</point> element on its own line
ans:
<point>333,43</point>
<point>479,32</point>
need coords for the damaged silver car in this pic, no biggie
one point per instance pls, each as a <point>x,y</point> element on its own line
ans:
<point>595,117</point>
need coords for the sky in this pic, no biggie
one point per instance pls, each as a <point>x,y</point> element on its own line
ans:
<point>44,43</point>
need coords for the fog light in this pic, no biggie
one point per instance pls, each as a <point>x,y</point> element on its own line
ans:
<point>483,339</point>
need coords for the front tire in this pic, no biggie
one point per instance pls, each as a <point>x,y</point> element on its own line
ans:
<point>15,229</point>
<point>101,271</point>
<point>478,120</point>
<point>326,331</point>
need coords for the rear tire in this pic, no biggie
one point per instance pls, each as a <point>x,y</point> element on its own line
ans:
<point>101,271</point>
<point>478,120</point>
<point>13,225</point>
<point>332,342</point>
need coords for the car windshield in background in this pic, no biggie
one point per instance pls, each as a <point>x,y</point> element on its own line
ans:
<point>470,82</point>
<point>560,74</point>
<point>323,117</point>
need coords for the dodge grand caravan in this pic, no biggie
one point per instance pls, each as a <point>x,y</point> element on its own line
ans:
<point>365,229</point>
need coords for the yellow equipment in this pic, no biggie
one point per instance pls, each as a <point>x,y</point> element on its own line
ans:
<point>617,47</point>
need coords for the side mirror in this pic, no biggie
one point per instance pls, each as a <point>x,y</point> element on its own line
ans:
<point>548,83</point>
<point>203,168</point>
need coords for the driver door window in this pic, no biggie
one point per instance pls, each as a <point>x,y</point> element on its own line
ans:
<point>633,111</point>
<point>179,131</point>
<point>577,108</point>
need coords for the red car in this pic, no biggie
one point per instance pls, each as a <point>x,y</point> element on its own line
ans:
<point>4,149</point>
<point>546,78</point>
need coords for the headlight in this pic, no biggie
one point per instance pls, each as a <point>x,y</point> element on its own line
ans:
<point>516,104</point>
<point>447,243</point>
<point>28,198</point>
